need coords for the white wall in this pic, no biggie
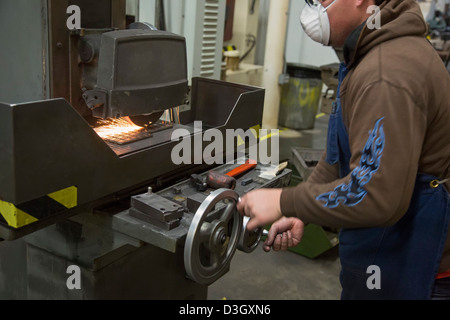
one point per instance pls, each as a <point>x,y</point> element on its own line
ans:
<point>188,18</point>
<point>300,49</point>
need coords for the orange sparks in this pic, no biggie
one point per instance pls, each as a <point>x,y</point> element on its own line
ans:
<point>112,128</point>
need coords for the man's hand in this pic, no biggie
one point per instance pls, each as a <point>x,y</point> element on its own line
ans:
<point>262,206</point>
<point>284,233</point>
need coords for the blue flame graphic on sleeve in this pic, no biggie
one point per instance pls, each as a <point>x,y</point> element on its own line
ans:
<point>353,193</point>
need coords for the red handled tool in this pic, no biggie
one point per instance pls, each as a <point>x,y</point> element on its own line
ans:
<point>218,180</point>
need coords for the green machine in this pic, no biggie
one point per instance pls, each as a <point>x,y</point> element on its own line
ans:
<point>316,239</point>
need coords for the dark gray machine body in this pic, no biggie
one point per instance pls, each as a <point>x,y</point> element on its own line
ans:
<point>44,154</point>
<point>139,72</point>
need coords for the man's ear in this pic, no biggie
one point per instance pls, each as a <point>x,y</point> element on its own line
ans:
<point>364,3</point>
<point>360,3</point>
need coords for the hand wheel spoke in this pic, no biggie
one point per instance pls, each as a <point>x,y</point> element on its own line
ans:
<point>228,212</point>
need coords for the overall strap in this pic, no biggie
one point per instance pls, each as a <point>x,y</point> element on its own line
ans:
<point>338,146</point>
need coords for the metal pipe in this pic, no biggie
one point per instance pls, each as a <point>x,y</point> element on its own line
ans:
<point>274,60</point>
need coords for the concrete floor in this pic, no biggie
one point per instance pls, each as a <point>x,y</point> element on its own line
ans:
<point>279,276</point>
<point>283,275</point>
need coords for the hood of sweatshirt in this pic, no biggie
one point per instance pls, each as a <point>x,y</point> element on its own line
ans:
<point>399,18</point>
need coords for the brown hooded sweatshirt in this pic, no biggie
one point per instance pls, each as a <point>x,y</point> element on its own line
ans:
<point>394,75</point>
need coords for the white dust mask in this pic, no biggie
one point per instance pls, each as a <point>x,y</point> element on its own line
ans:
<point>315,22</point>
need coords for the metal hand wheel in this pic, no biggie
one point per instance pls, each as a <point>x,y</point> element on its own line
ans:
<point>249,240</point>
<point>213,237</point>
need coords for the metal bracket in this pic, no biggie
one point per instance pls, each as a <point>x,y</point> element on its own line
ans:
<point>157,210</point>
<point>96,100</point>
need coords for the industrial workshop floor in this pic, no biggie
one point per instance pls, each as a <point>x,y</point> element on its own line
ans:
<point>283,275</point>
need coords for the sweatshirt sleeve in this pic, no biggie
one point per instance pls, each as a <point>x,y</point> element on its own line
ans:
<point>386,130</point>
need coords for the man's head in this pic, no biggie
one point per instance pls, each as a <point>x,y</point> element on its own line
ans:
<point>344,16</point>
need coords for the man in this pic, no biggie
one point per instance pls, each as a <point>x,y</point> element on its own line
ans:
<point>384,176</point>
<point>444,7</point>
<point>438,22</point>
<point>440,11</point>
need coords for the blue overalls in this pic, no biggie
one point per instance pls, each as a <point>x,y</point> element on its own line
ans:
<point>406,254</point>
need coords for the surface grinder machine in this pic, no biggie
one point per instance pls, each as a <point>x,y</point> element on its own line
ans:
<point>87,178</point>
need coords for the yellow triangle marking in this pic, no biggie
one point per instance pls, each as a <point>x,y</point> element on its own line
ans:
<point>66,197</point>
<point>15,218</point>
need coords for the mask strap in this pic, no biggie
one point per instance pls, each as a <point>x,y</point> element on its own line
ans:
<point>329,6</point>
